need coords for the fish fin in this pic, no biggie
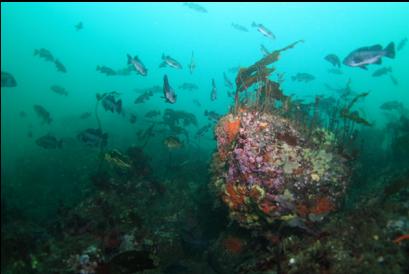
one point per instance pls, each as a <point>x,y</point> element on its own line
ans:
<point>254,24</point>
<point>390,50</point>
<point>129,59</point>
<point>363,67</point>
<point>379,61</point>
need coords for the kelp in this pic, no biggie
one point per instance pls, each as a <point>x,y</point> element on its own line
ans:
<point>354,116</point>
<point>259,73</point>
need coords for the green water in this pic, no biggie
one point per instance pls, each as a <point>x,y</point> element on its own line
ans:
<point>36,180</point>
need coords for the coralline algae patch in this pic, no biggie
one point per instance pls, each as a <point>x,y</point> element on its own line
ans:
<point>266,170</point>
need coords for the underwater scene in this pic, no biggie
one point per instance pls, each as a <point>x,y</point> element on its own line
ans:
<point>204,138</point>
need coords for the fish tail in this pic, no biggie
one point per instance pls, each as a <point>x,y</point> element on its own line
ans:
<point>254,24</point>
<point>390,50</point>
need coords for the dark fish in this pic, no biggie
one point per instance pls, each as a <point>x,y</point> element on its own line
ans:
<point>192,64</point>
<point>197,103</point>
<point>394,80</point>
<point>303,77</point>
<point>213,93</point>
<point>132,118</point>
<point>152,113</point>
<point>227,81</point>
<point>263,30</point>
<point>129,262</point>
<point>59,90</point>
<point>109,103</point>
<point>264,50</point>
<point>381,71</point>
<point>173,142</point>
<point>23,114</point>
<point>239,27</point>
<point>60,66</point>
<point>335,71</point>
<point>125,71</point>
<point>333,59</point>
<point>7,80</point>
<point>85,115</point>
<point>201,131</point>
<point>211,115</point>
<point>49,142</point>
<point>106,70</point>
<point>43,114</point>
<point>93,137</point>
<point>369,55</point>
<point>168,91</point>
<point>143,97</point>
<point>44,53</point>
<point>169,61</point>
<point>195,7</point>
<point>188,86</point>
<point>138,65</point>
<point>79,26</point>
<point>391,105</point>
<point>402,43</point>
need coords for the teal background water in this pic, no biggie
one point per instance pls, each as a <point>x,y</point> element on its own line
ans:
<point>111,30</point>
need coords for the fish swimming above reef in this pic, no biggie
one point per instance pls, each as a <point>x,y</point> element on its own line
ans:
<point>201,131</point>
<point>263,30</point>
<point>169,61</point>
<point>7,80</point>
<point>212,115</point>
<point>43,114</point>
<point>391,105</point>
<point>45,54</point>
<point>195,7</point>
<point>169,93</point>
<point>303,77</point>
<point>264,50</point>
<point>188,86</point>
<point>333,59</point>
<point>59,90</point>
<point>394,80</point>
<point>239,27</point>
<point>79,26</point>
<point>93,137</point>
<point>49,142</point>
<point>227,82</point>
<point>143,97</point>
<point>402,43</point>
<point>213,93</point>
<point>172,142</point>
<point>60,67</point>
<point>138,65</point>
<point>364,56</point>
<point>110,103</point>
<point>106,70</point>
<point>192,64</point>
<point>381,71</point>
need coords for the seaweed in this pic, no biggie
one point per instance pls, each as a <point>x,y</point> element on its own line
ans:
<point>354,116</point>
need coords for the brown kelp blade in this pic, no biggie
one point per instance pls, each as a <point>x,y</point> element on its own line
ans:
<point>259,71</point>
<point>353,116</point>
